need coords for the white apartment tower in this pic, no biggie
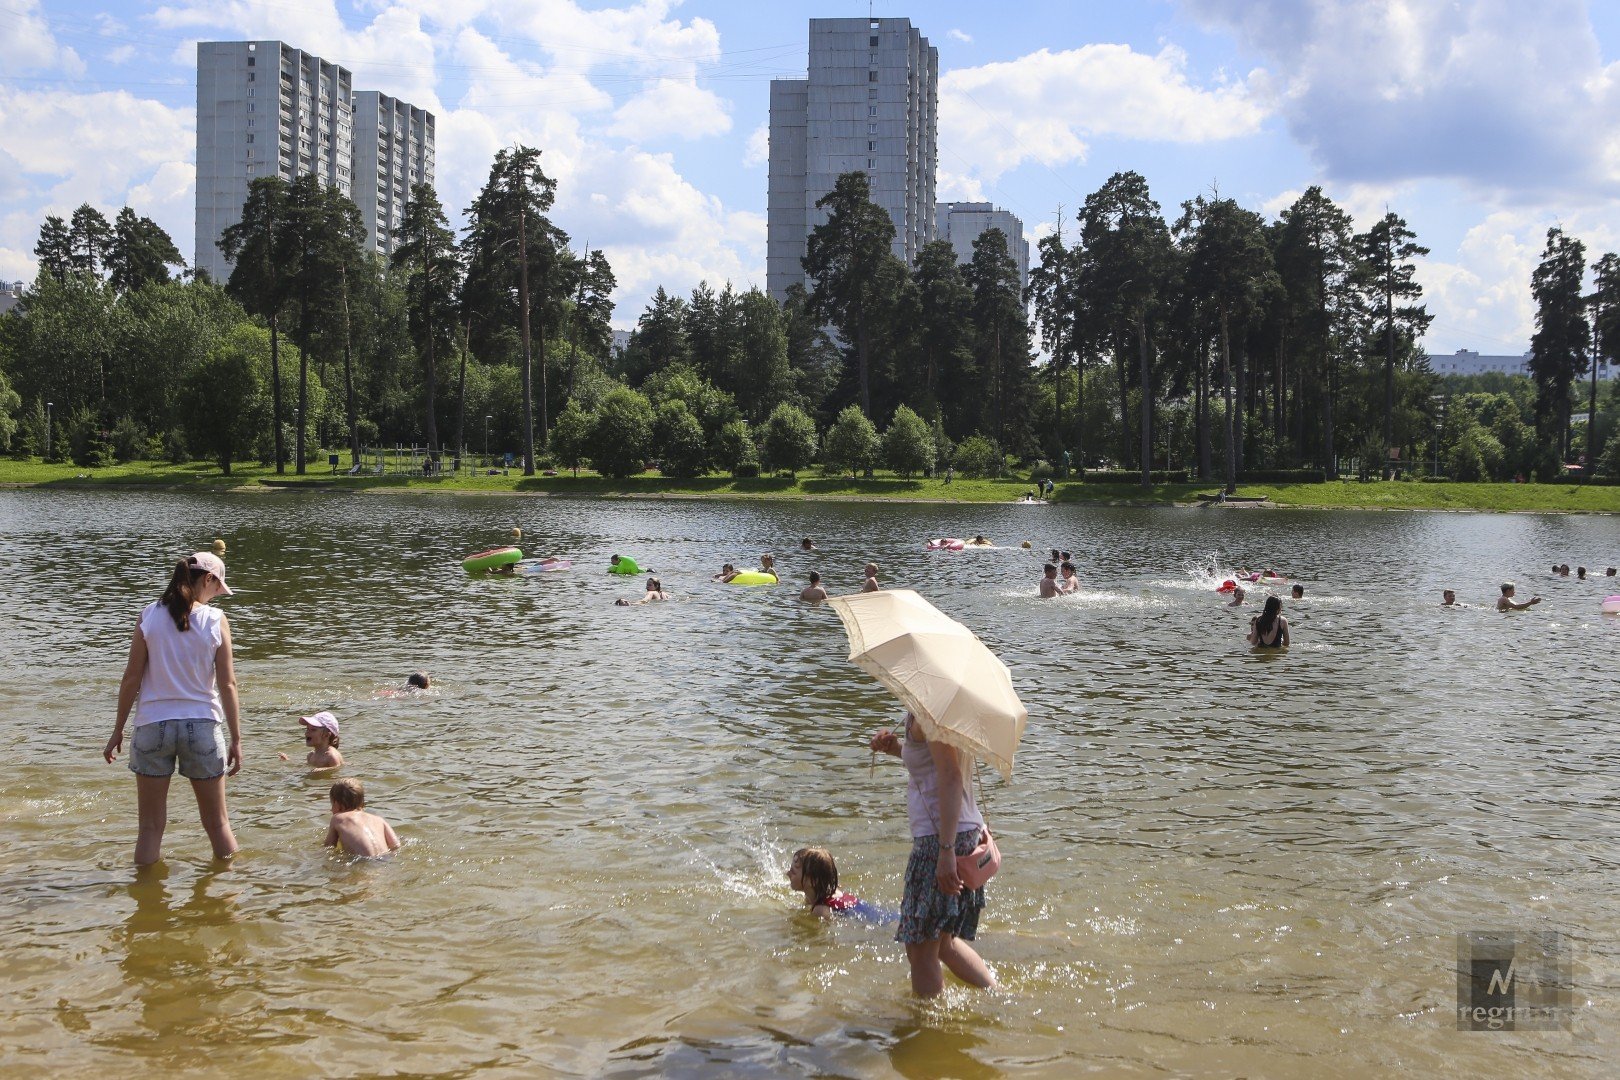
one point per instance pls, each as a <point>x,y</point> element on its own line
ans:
<point>393,150</point>
<point>867,105</point>
<point>265,108</point>
<point>964,222</point>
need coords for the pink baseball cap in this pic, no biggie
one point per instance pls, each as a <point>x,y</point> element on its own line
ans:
<point>322,719</point>
<point>213,564</point>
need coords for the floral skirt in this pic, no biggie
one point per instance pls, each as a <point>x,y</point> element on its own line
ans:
<point>926,913</point>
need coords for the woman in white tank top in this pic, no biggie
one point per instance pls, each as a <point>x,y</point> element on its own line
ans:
<point>180,672</point>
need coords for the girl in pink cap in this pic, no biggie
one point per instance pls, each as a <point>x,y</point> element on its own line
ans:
<point>181,673</point>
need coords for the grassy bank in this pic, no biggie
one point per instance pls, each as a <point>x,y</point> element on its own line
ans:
<point>1542,498</point>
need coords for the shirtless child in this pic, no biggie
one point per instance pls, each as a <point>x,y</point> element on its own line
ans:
<point>353,830</point>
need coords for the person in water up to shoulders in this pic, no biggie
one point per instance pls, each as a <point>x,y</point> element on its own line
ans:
<point>1071,580</point>
<point>871,582</point>
<point>813,591</point>
<point>1049,586</point>
<point>321,736</point>
<point>1505,602</point>
<point>1237,596</point>
<point>1269,629</point>
<point>353,830</point>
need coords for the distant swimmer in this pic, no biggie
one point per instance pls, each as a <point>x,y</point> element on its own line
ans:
<point>1071,580</point>
<point>1580,572</point>
<point>1237,597</point>
<point>806,545</point>
<point>813,591</point>
<point>1298,592</point>
<point>1049,582</point>
<point>1610,572</point>
<point>871,583</point>
<point>767,565</point>
<point>980,541</point>
<point>1269,629</point>
<point>727,572</point>
<point>655,591</point>
<point>1448,598</point>
<point>419,680</point>
<point>1505,601</point>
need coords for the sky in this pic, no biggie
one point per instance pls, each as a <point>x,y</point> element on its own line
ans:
<point>1481,122</point>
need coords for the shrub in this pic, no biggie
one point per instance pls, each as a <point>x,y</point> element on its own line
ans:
<point>978,456</point>
<point>679,437</point>
<point>1041,470</point>
<point>622,434</point>
<point>174,449</point>
<point>944,449</point>
<point>851,444</point>
<point>908,445</point>
<point>571,435</point>
<point>735,450</point>
<point>790,439</point>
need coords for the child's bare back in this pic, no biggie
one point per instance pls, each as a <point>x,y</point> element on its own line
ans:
<point>354,830</point>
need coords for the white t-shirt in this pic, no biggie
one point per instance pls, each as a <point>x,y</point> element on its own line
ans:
<point>179,680</point>
<point>922,790</point>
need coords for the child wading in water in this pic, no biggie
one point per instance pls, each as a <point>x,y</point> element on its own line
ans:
<point>353,830</point>
<point>321,736</point>
<point>814,874</point>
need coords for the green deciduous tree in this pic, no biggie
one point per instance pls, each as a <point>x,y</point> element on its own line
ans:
<point>851,444</point>
<point>679,441</point>
<point>908,446</point>
<point>977,456</point>
<point>622,435</point>
<point>790,439</point>
<point>570,439</point>
<point>225,397</point>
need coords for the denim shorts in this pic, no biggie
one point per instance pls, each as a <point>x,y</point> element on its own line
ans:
<point>198,746</point>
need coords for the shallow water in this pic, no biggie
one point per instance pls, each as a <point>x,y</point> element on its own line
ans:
<point>1218,861</point>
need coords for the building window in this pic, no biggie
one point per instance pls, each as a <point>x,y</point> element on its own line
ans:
<point>252,75</point>
<point>250,59</point>
<point>871,76</point>
<point>250,106</point>
<point>250,137</point>
<point>871,110</point>
<point>871,163</point>
<point>871,129</point>
<point>872,41</point>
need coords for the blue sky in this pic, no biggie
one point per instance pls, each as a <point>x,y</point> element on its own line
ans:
<point>1482,122</point>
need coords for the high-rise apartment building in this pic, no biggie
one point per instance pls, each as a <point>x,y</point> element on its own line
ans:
<point>265,108</point>
<point>964,222</point>
<point>393,150</point>
<point>867,105</point>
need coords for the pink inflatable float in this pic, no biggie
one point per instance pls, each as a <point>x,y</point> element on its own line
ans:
<point>945,544</point>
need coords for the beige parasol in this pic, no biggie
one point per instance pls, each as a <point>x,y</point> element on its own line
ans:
<point>959,691</point>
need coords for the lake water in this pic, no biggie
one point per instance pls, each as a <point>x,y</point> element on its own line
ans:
<point>1218,862</point>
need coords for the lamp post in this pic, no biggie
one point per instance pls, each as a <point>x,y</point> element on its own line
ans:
<point>48,430</point>
<point>487,462</point>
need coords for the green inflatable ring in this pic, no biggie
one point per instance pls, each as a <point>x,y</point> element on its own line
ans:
<point>753,577</point>
<point>626,566</point>
<point>485,561</point>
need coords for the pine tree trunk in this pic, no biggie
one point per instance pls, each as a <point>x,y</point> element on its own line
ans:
<point>1201,407</point>
<point>528,398</point>
<point>275,394</point>
<point>1147,398</point>
<point>1242,393</point>
<point>1389,376</point>
<point>303,380</point>
<point>1124,410</point>
<point>1226,396</point>
<point>461,394</point>
<point>350,409</point>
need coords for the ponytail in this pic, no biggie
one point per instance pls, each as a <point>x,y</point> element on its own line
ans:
<point>182,593</point>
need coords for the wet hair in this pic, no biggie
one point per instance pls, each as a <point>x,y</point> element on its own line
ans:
<point>819,871</point>
<point>349,794</point>
<point>1069,566</point>
<point>814,577</point>
<point>419,679</point>
<point>1507,587</point>
<point>1580,571</point>
<point>1609,572</point>
<point>1067,556</point>
<point>1049,569</point>
<point>805,543</point>
<point>1268,617</point>
<point>654,585</point>
<point>1298,590</point>
<point>184,584</point>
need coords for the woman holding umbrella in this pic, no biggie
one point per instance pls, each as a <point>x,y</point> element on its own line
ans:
<point>938,916</point>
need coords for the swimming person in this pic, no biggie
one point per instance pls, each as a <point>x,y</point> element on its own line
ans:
<point>1505,601</point>
<point>814,873</point>
<point>180,668</point>
<point>813,591</point>
<point>1071,580</point>
<point>871,583</point>
<point>1448,598</point>
<point>655,591</point>
<point>727,572</point>
<point>1049,583</point>
<point>1298,592</point>
<point>938,916</point>
<point>767,565</point>
<point>419,680</point>
<point>321,736</point>
<point>1269,629</point>
<point>353,830</point>
<point>806,545</point>
<point>1237,596</point>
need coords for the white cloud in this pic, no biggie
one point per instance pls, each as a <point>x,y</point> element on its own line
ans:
<point>27,44</point>
<point>1508,96</point>
<point>757,152</point>
<point>671,109</point>
<point>960,35</point>
<point>1044,106</point>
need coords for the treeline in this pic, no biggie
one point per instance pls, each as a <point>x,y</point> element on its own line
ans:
<point>1217,343</point>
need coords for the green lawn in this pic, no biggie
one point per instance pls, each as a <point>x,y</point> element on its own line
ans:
<point>1546,498</point>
